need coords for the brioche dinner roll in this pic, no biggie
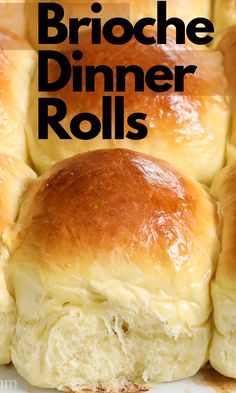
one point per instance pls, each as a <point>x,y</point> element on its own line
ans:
<point>14,179</point>
<point>223,347</point>
<point>224,14</point>
<point>16,62</point>
<point>187,129</point>
<point>110,265</point>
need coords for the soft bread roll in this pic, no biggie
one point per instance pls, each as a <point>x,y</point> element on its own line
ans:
<point>226,43</point>
<point>188,129</point>
<point>16,62</point>
<point>14,179</point>
<point>111,261</point>
<point>223,346</point>
<point>133,10</point>
<point>224,14</point>
<point>12,16</point>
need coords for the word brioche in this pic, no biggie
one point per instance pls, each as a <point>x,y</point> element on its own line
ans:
<point>159,78</point>
<point>138,30</point>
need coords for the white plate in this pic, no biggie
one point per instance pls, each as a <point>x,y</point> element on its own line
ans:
<point>207,381</point>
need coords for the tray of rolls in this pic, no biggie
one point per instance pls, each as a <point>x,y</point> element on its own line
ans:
<point>118,256</point>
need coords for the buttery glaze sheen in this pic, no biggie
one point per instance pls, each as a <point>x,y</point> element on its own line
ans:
<point>187,129</point>
<point>110,200</point>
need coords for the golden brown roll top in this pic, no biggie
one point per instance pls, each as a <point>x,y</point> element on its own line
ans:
<point>122,247</point>
<point>188,130</point>
<point>224,14</point>
<point>111,199</point>
<point>16,63</point>
<point>222,351</point>
<point>15,178</point>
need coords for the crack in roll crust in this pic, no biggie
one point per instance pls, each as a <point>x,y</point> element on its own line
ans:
<point>114,251</point>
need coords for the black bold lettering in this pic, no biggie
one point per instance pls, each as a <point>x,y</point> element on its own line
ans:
<point>44,23</point>
<point>45,120</point>
<point>180,72</point>
<point>163,23</point>
<point>139,31</point>
<point>122,71</point>
<point>43,65</point>
<point>107,73</point>
<point>118,40</point>
<point>159,73</point>
<point>74,27</point>
<point>193,29</point>
<point>135,124</point>
<point>107,117</point>
<point>75,126</point>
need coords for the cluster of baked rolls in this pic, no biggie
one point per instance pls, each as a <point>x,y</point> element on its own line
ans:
<point>118,257</point>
